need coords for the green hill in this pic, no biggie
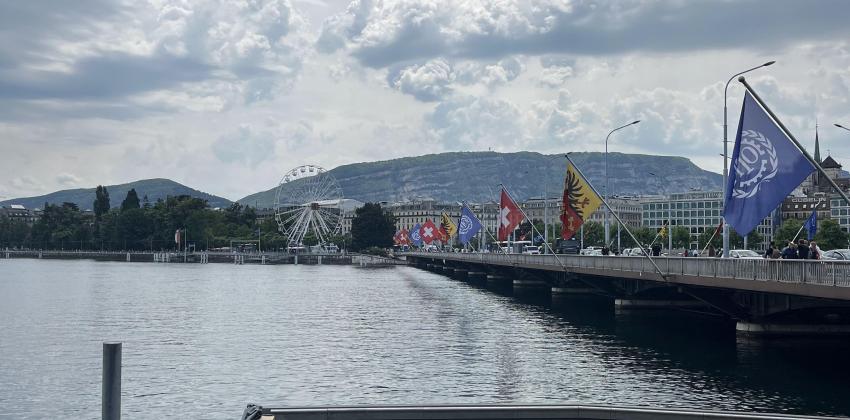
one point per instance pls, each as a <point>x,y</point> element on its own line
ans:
<point>84,197</point>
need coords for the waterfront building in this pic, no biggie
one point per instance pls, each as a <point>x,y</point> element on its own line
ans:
<point>697,211</point>
<point>19,213</point>
<point>630,210</point>
<point>409,213</point>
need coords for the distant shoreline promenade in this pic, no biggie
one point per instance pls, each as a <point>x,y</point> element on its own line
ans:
<point>264,258</point>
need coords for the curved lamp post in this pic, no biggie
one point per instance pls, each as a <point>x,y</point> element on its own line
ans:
<point>605,193</point>
<point>726,152</point>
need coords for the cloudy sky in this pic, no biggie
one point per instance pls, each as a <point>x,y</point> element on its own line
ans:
<point>227,95</point>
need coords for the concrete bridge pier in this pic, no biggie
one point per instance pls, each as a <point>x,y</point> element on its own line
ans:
<point>460,274</point>
<point>531,286</point>
<point>476,277</point>
<point>497,282</point>
<point>764,329</point>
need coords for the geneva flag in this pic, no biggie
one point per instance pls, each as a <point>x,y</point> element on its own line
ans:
<point>448,226</point>
<point>509,216</point>
<point>580,201</point>
<point>414,235</point>
<point>469,225</point>
<point>766,166</point>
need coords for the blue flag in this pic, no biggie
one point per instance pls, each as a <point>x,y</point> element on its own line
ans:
<point>414,235</point>
<point>811,224</point>
<point>469,225</point>
<point>766,166</point>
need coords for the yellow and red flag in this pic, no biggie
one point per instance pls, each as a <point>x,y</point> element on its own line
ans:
<point>448,226</point>
<point>579,202</point>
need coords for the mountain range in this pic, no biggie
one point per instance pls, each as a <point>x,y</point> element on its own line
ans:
<point>154,189</point>
<point>454,176</point>
<point>475,176</point>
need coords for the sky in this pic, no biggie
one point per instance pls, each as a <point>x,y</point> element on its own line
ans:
<point>226,96</point>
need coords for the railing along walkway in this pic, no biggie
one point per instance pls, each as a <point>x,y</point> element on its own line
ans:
<point>817,272</point>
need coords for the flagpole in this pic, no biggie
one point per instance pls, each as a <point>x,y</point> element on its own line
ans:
<point>616,216</point>
<point>532,226</point>
<point>793,139</point>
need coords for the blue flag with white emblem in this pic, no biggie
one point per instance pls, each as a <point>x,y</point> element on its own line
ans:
<point>469,225</point>
<point>811,224</point>
<point>414,235</point>
<point>766,166</point>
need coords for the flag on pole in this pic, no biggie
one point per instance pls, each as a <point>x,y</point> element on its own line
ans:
<point>177,237</point>
<point>766,166</point>
<point>469,225</point>
<point>428,232</point>
<point>448,225</point>
<point>509,216</point>
<point>811,224</point>
<point>414,235</point>
<point>579,202</point>
<point>663,232</point>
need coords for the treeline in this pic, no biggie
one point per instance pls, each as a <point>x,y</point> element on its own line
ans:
<point>139,225</point>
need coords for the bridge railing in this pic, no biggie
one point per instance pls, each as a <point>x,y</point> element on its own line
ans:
<point>819,272</point>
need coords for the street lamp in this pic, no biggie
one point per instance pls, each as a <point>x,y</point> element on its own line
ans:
<point>607,210</point>
<point>669,219</point>
<point>726,152</point>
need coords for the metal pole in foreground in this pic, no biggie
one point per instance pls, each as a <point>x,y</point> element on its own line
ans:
<point>726,154</point>
<point>111,403</point>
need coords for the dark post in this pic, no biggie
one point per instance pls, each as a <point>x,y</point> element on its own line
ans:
<point>111,404</point>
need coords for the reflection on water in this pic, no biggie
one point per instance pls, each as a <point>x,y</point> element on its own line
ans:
<point>214,337</point>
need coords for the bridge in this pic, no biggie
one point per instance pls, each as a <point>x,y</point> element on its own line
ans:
<point>763,296</point>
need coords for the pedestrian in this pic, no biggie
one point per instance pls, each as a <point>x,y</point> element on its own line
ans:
<point>656,250</point>
<point>790,251</point>
<point>803,249</point>
<point>814,251</point>
<point>711,251</point>
<point>776,254</point>
<point>768,253</point>
<point>606,250</point>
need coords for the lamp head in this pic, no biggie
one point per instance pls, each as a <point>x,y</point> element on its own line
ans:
<point>635,122</point>
<point>768,63</point>
<point>839,125</point>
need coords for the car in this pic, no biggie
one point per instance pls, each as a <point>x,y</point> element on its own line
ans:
<point>745,254</point>
<point>836,254</point>
<point>531,249</point>
<point>591,250</point>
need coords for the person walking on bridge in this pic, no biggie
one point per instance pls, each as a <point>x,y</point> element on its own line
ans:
<point>790,252</point>
<point>803,250</point>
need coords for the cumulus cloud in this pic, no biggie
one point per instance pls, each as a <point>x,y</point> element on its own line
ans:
<point>380,34</point>
<point>428,82</point>
<point>476,123</point>
<point>68,180</point>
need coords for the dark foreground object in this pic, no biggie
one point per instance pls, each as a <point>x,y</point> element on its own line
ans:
<point>497,412</point>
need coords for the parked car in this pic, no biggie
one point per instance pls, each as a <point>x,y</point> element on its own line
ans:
<point>531,249</point>
<point>836,254</point>
<point>591,250</point>
<point>745,254</point>
<point>633,252</point>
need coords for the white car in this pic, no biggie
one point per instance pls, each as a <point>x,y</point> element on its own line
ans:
<point>591,250</point>
<point>836,254</point>
<point>530,249</point>
<point>745,254</point>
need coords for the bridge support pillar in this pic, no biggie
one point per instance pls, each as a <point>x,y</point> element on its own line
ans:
<point>657,304</point>
<point>460,274</point>
<point>498,282</point>
<point>776,329</point>
<point>476,277</point>
<point>531,286</point>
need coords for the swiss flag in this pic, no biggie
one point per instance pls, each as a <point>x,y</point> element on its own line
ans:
<point>428,231</point>
<point>509,216</point>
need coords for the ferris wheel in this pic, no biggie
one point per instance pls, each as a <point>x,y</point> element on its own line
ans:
<point>308,203</point>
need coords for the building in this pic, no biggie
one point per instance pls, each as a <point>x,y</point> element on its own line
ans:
<point>696,211</point>
<point>19,213</point>
<point>630,210</point>
<point>801,208</point>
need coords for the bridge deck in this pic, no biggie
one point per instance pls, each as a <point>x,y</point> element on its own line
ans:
<point>810,278</point>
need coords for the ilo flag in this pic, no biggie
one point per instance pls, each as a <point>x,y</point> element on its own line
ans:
<point>509,216</point>
<point>414,235</point>
<point>428,232</point>
<point>469,225</point>
<point>811,224</point>
<point>766,166</point>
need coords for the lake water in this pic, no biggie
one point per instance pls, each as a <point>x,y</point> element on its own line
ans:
<point>208,339</point>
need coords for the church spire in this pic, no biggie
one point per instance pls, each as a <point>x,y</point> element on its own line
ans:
<point>817,145</point>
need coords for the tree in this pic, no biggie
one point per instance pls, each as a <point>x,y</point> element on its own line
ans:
<point>131,201</point>
<point>786,232</point>
<point>372,227</point>
<point>594,234</point>
<point>681,237</point>
<point>101,202</point>
<point>830,235</point>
